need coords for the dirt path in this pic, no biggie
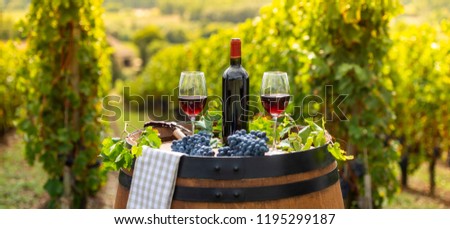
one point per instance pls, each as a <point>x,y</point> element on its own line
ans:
<point>106,196</point>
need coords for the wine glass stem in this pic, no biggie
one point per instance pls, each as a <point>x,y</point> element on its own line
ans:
<point>274,143</point>
<point>193,124</point>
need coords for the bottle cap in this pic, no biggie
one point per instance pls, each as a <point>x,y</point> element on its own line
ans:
<point>235,50</point>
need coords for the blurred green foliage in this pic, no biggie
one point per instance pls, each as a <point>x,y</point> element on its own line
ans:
<point>65,74</point>
<point>427,11</point>
<point>419,64</point>
<point>208,11</point>
<point>14,4</point>
<point>11,57</point>
<point>7,30</point>
<point>143,38</point>
<point>115,5</point>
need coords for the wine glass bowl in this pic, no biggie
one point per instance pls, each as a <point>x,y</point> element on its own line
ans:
<point>275,104</point>
<point>275,96</point>
<point>192,105</point>
<point>192,94</point>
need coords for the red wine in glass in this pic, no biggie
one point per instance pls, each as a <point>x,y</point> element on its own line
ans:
<point>275,97</point>
<point>192,94</point>
<point>192,105</point>
<point>275,104</point>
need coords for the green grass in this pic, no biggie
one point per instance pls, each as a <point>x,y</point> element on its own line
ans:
<point>407,200</point>
<point>418,197</point>
<point>421,176</point>
<point>21,185</point>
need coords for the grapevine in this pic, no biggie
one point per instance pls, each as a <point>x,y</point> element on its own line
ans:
<point>65,75</point>
<point>116,152</point>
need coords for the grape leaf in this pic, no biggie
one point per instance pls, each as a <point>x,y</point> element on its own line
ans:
<point>315,137</point>
<point>115,155</point>
<point>119,158</point>
<point>285,145</point>
<point>215,143</point>
<point>136,151</point>
<point>319,139</point>
<point>313,125</point>
<point>107,142</point>
<point>338,153</point>
<point>305,132</point>
<point>308,144</point>
<point>206,121</point>
<point>128,158</point>
<point>295,141</point>
<point>149,137</point>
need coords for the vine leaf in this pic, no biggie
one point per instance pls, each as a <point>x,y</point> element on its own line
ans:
<point>338,153</point>
<point>116,156</point>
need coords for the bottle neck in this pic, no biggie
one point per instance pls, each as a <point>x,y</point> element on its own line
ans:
<point>235,52</point>
<point>235,61</point>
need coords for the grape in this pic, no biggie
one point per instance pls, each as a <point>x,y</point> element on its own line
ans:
<point>242,144</point>
<point>239,144</point>
<point>194,145</point>
<point>345,187</point>
<point>224,151</point>
<point>358,168</point>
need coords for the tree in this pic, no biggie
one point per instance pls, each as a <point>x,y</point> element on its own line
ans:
<point>65,74</point>
<point>176,36</point>
<point>143,38</point>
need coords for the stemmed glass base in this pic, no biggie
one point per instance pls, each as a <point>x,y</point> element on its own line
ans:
<point>274,149</point>
<point>193,124</point>
<point>274,142</point>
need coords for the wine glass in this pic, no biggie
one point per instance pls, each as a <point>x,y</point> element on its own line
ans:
<point>192,94</point>
<point>275,96</point>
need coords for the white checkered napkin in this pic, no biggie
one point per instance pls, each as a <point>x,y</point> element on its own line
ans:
<point>154,177</point>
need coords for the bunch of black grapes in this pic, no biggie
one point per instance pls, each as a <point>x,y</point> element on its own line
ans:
<point>242,144</point>
<point>194,145</point>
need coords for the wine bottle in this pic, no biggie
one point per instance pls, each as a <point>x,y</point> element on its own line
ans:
<point>235,97</point>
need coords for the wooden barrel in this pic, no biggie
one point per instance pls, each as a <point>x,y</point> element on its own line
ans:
<point>307,179</point>
<point>166,134</point>
<point>123,189</point>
